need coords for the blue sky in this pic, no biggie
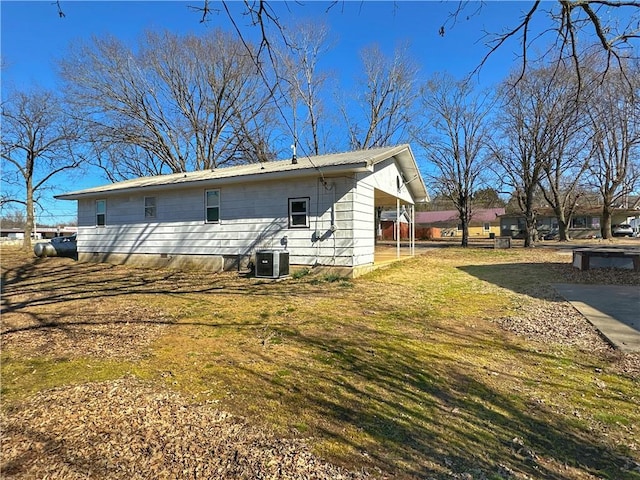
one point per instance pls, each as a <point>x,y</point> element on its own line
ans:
<point>34,37</point>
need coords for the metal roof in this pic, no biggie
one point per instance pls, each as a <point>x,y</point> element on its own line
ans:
<point>452,216</point>
<point>361,160</point>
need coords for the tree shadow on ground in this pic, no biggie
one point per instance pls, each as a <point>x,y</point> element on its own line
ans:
<point>432,418</point>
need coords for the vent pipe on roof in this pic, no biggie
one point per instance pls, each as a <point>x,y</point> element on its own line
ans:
<point>294,158</point>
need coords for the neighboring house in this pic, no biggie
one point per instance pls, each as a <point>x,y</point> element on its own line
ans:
<point>585,223</point>
<point>389,224</point>
<point>321,209</point>
<point>41,232</point>
<point>485,222</point>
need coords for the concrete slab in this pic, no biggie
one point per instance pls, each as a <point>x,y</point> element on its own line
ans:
<point>613,309</point>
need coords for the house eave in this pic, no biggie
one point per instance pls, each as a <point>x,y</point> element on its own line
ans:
<point>219,181</point>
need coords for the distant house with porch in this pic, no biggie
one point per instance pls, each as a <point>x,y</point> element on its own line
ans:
<point>585,223</point>
<point>446,223</point>
<point>321,210</point>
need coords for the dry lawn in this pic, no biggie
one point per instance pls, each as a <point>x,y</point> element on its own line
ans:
<point>454,364</point>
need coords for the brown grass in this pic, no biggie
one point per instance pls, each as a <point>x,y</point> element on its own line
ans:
<point>405,370</point>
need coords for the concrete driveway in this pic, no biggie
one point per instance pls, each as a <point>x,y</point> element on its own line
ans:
<point>613,309</point>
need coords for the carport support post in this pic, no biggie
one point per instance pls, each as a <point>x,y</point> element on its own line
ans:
<point>413,230</point>
<point>397,228</point>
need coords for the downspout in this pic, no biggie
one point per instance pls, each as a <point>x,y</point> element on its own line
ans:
<point>316,236</point>
<point>333,222</point>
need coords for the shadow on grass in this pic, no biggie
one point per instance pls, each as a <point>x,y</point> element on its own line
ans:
<point>58,281</point>
<point>433,416</point>
<point>533,279</point>
<point>415,407</point>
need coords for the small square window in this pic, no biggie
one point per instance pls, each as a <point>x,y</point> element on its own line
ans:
<point>212,206</point>
<point>149,207</point>
<point>298,213</point>
<point>101,213</point>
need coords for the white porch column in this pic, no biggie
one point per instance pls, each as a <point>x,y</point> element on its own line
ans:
<point>398,228</point>
<point>413,230</point>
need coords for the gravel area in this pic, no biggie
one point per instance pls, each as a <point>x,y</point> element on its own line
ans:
<point>127,430</point>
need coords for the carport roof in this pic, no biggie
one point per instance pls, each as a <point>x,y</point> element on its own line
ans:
<point>361,160</point>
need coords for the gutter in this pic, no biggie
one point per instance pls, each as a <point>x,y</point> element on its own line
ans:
<point>185,182</point>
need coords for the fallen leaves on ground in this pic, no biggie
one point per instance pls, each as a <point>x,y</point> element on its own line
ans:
<point>128,430</point>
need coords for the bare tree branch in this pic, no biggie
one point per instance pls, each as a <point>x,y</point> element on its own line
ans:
<point>38,141</point>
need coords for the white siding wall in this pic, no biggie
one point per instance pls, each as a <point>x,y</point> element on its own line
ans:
<point>252,217</point>
<point>363,222</point>
<point>385,178</point>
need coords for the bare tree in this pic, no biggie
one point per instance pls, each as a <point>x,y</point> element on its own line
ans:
<point>563,172</point>
<point>454,141</point>
<point>527,138</point>
<point>300,73</point>
<point>13,219</point>
<point>614,126</point>
<point>386,100</point>
<point>38,140</point>
<point>173,104</point>
<point>572,26</point>
<point>613,26</point>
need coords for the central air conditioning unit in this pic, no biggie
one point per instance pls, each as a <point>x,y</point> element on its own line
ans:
<point>272,263</point>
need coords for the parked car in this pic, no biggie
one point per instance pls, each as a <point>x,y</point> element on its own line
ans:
<point>622,230</point>
<point>57,247</point>
<point>551,234</point>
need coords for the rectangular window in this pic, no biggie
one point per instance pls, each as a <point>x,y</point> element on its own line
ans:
<point>101,213</point>
<point>298,212</point>
<point>486,226</point>
<point>579,222</point>
<point>212,206</point>
<point>149,207</point>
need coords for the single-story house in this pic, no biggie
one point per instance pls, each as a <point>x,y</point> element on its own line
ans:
<point>390,223</point>
<point>40,232</point>
<point>585,222</point>
<point>446,223</point>
<point>321,210</point>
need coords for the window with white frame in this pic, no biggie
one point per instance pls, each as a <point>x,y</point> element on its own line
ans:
<point>299,212</point>
<point>149,207</point>
<point>486,226</point>
<point>212,206</point>
<point>101,213</point>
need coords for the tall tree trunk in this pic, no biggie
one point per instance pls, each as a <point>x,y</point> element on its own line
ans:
<point>530,231</point>
<point>563,230</point>
<point>465,233</point>
<point>605,227</point>
<point>28,226</point>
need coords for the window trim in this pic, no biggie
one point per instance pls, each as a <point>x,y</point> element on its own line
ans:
<point>486,226</point>
<point>207,206</point>
<point>103,214</point>
<point>153,208</point>
<point>307,202</point>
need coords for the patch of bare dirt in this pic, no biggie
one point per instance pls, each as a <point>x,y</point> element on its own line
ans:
<point>127,430</point>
